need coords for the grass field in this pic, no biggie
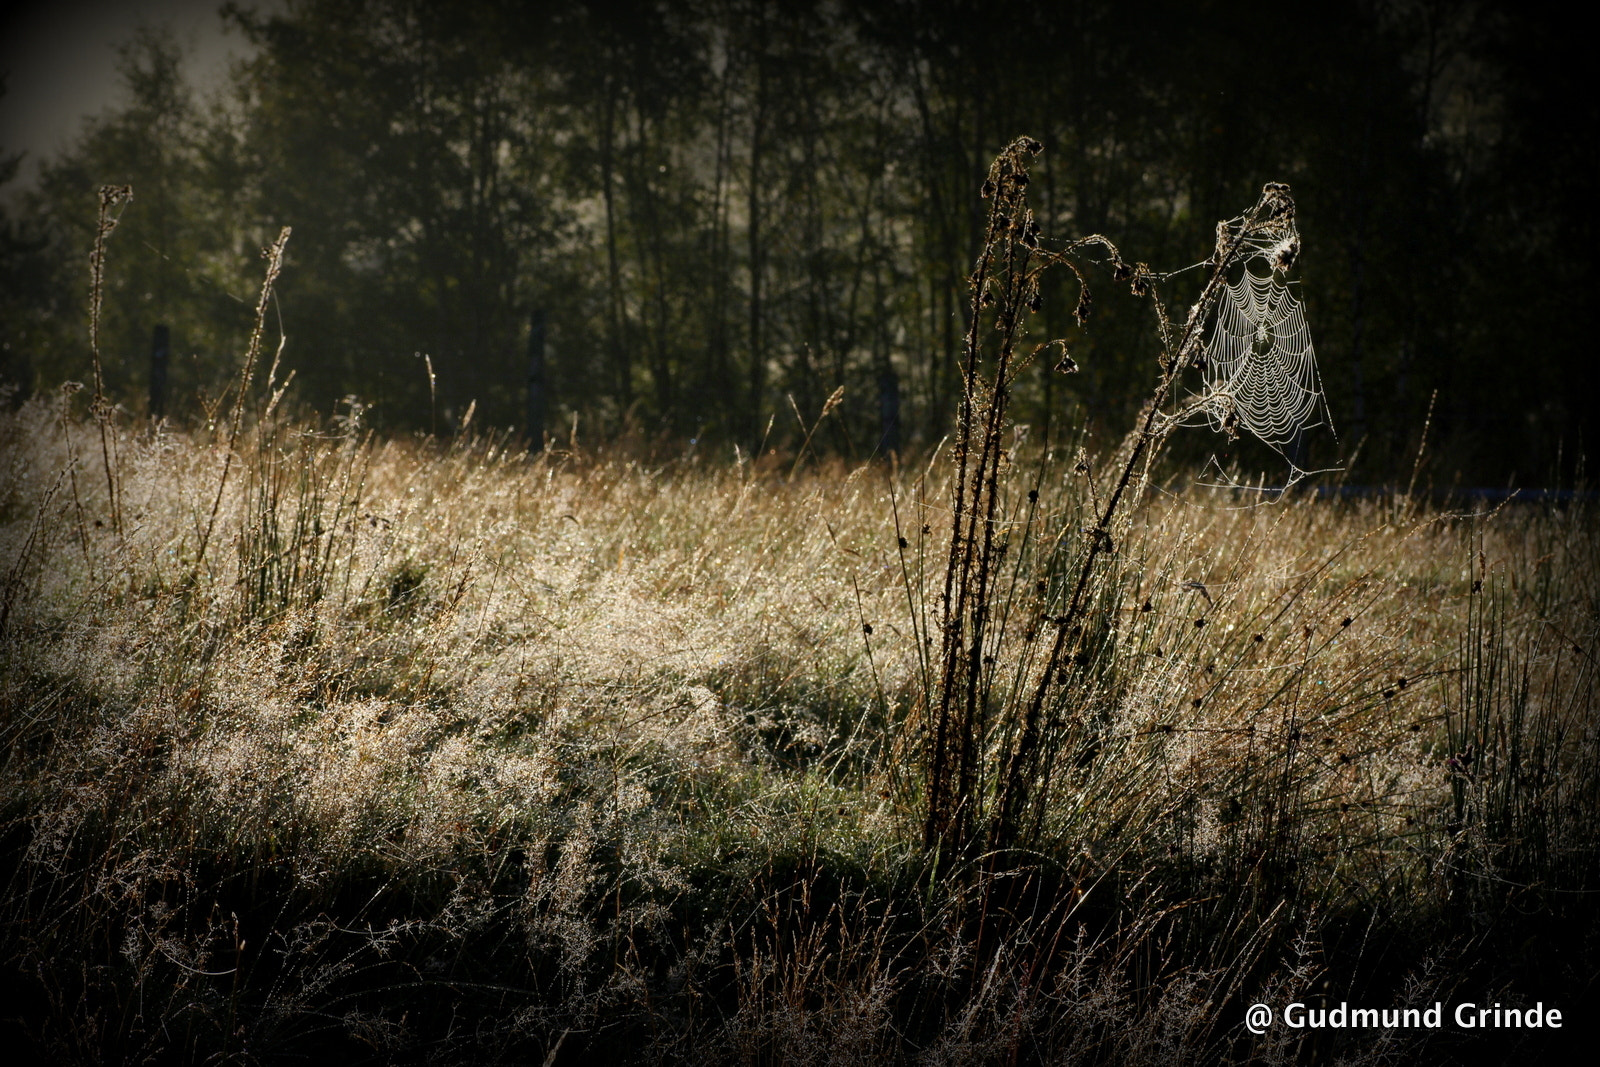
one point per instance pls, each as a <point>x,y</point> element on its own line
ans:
<point>441,751</point>
<point>319,744</point>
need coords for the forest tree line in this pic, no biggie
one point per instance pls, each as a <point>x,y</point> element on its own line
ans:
<point>692,220</point>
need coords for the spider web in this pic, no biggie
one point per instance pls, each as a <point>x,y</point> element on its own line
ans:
<point>1261,369</point>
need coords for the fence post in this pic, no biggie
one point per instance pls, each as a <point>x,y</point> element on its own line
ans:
<point>538,389</point>
<point>160,349</point>
<point>888,410</point>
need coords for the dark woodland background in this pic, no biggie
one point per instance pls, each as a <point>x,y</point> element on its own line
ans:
<point>708,208</point>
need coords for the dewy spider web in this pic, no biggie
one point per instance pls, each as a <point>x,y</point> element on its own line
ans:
<point>1261,371</point>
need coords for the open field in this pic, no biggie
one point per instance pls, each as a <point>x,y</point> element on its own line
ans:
<point>442,751</point>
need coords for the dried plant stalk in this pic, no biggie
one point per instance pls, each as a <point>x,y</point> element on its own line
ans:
<point>274,258</point>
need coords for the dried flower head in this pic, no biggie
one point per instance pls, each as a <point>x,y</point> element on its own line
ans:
<point>1284,253</point>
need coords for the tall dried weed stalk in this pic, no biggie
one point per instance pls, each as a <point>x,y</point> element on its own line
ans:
<point>996,719</point>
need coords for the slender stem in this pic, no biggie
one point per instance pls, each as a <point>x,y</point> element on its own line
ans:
<point>111,196</point>
<point>274,257</point>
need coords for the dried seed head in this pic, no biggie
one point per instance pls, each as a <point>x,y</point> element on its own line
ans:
<point>1285,254</point>
<point>1085,305</point>
<point>1278,202</point>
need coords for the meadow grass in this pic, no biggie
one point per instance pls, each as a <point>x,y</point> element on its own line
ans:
<point>447,751</point>
<point>318,743</point>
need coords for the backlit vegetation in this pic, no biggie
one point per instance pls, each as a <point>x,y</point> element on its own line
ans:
<point>441,749</point>
<point>450,746</point>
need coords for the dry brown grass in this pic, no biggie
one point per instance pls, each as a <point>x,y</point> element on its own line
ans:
<point>596,753</point>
